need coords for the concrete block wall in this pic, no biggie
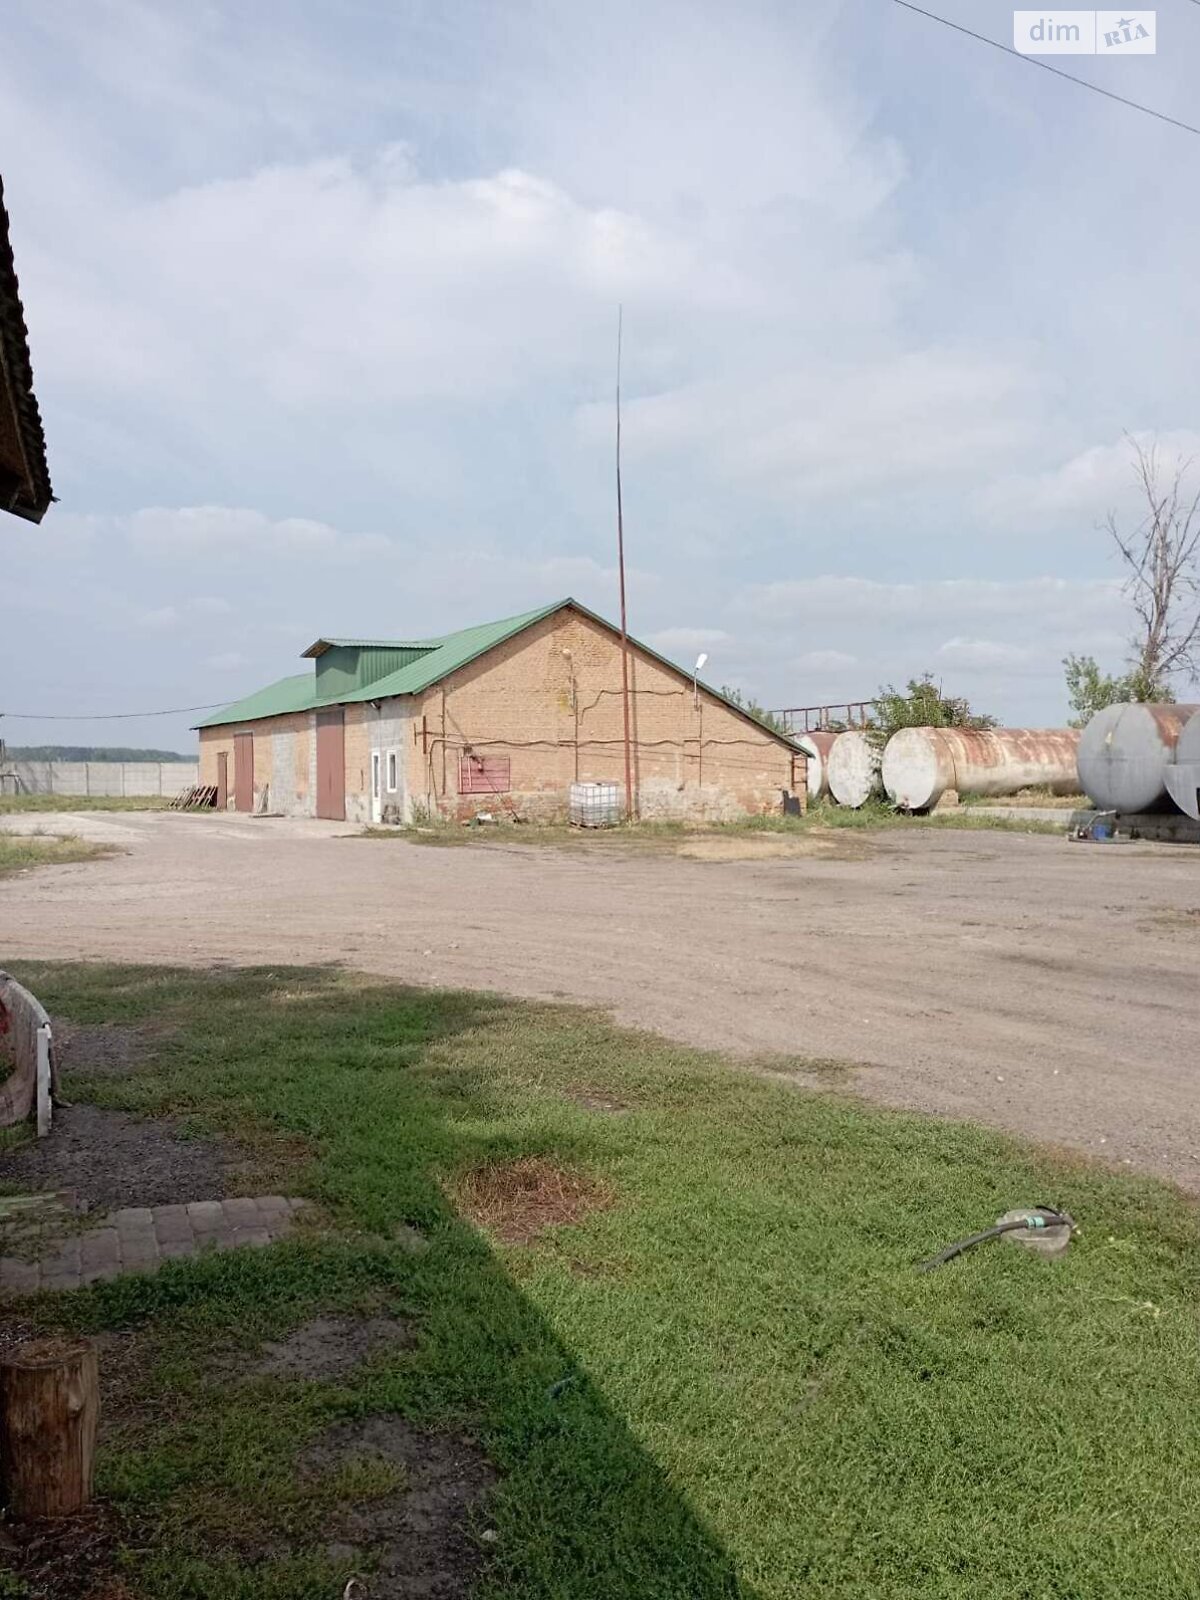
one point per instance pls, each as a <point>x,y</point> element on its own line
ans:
<point>389,734</point>
<point>75,778</point>
<point>358,763</point>
<point>293,765</point>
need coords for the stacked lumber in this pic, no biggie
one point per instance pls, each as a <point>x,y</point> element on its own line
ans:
<point>200,797</point>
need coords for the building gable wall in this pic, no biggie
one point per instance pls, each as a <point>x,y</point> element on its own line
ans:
<point>550,701</point>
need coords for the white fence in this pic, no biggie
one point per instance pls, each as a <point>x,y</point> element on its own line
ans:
<point>138,778</point>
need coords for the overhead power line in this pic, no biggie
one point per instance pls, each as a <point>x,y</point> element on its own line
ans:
<point>1035,61</point>
<point>105,716</point>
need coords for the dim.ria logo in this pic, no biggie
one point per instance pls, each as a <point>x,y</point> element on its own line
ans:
<point>1085,33</point>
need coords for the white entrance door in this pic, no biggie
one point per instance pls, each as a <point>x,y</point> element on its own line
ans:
<point>376,797</point>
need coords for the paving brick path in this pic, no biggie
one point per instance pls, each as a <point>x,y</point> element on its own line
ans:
<point>140,1239</point>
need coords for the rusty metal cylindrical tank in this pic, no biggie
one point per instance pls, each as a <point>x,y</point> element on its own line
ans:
<point>920,764</point>
<point>816,746</point>
<point>853,766</point>
<point>1124,754</point>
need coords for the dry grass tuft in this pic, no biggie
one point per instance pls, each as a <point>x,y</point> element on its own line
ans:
<point>517,1200</point>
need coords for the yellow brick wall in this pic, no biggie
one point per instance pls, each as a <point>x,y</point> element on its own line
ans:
<point>551,701</point>
<point>214,740</point>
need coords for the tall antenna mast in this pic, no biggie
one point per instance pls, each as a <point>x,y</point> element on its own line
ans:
<point>621,571</point>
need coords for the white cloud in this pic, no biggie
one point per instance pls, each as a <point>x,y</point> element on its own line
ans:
<point>323,334</point>
<point>229,534</point>
<point>987,656</point>
<point>1083,489</point>
<point>824,661</point>
<point>685,641</point>
<point>160,617</point>
<point>1044,601</point>
<point>827,427</point>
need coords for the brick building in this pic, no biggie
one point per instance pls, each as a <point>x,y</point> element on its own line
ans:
<point>503,717</point>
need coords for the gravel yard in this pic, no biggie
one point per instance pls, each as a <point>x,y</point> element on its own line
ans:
<point>1045,988</point>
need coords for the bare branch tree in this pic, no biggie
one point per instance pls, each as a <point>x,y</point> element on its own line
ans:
<point>1162,560</point>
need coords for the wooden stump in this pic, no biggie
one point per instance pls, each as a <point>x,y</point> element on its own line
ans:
<point>49,1407</point>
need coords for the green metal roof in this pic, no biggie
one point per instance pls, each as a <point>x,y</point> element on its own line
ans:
<point>455,650</point>
<point>442,657</point>
<point>322,644</point>
<point>276,700</point>
<point>439,658</point>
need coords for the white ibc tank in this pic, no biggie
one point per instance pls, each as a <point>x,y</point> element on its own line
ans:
<point>853,766</point>
<point>595,805</point>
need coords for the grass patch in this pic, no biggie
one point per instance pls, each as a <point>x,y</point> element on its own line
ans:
<point>727,1381</point>
<point>1042,798</point>
<point>515,1201</point>
<point>878,814</point>
<point>20,851</point>
<point>669,837</point>
<point>16,804</point>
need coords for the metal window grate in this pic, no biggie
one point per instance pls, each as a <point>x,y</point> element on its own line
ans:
<point>484,774</point>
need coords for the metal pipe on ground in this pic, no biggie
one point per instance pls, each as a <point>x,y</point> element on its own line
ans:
<point>921,764</point>
<point>1124,754</point>
<point>816,747</point>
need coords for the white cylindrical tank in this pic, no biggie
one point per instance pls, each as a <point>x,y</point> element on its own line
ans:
<point>853,766</point>
<point>1124,754</point>
<point>816,747</point>
<point>920,764</point>
<point>1183,775</point>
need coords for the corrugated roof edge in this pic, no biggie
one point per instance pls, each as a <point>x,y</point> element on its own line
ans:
<point>528,619</point>
<point>277,699</point>
<point>319,646</point>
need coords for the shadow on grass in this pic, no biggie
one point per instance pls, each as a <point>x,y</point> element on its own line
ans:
<point>203,1467</point>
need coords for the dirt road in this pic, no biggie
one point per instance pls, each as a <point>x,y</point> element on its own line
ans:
<point>1046,988</point>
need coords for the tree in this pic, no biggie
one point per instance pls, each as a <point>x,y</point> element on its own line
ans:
<point>1162,563</point>
<point>921,705</point>
<point>753,709</point>
<point>1090,690</point>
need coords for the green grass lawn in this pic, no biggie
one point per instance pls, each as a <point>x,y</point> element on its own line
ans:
<point>15,803</point>
<point>765,1399</point>
<point>19,851</point>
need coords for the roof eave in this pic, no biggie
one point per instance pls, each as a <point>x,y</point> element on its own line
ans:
<point>34,493</point>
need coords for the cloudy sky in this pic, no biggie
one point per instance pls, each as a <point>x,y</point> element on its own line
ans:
<point>323,298</point>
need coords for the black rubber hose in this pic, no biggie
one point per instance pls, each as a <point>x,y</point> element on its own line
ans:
<point>1053,1219</point>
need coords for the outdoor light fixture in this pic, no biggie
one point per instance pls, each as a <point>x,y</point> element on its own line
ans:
<point>700,660</point>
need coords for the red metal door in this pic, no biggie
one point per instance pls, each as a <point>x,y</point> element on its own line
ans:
<point>331,764</point>
<point>222,780</point>
<point>243,772</point>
